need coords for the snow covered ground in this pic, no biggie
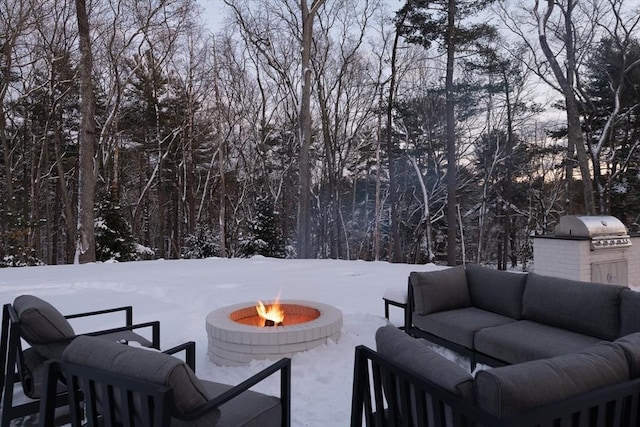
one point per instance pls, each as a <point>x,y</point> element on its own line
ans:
<point>180,293</point>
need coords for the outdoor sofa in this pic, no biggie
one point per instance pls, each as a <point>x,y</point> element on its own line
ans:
<point>407,383</point>
<point>501,318</point>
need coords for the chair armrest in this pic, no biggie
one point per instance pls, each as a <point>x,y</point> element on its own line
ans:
<point>127,309</point>
<point>155,331</point>
<point>283,366</point>
<point>190,353</point>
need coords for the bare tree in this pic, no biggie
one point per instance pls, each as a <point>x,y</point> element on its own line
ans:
<point>85,247</point>
<point>568,33</point>
<point>304,194</point>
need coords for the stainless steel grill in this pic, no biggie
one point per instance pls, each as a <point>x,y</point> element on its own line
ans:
<point>605,232</point>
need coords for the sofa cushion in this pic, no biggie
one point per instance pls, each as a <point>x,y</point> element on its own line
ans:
<point>43,326</point>
<point>440,290</point>
<point>524,341</point>
<point>413,355</point>
<point>459,326</point>
<point>631,346</point>
<point>188,392</point>
<point>588,308</point>
<point>629,312</point>
<point>515,389</point>
<point>497,291</point>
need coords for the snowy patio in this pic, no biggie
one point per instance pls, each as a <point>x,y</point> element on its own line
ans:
<point>180,293</point>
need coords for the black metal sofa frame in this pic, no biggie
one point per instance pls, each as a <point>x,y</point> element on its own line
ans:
<point>386,394</point>
<point>12,358</point>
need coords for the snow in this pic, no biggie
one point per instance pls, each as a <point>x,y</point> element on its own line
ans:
<point>180,293</point>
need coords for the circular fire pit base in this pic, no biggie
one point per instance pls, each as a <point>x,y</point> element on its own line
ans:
<point>232,343</point>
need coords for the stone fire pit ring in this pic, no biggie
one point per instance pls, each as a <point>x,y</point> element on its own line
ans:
<point>232,343</point>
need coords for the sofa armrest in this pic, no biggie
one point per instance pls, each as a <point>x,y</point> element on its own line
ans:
<point>439,290</point>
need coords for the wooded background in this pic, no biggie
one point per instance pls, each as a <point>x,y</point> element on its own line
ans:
<point>449,130</point>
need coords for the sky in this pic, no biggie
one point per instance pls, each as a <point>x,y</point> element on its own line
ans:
<point>215,10</point>
<point>180,294</point>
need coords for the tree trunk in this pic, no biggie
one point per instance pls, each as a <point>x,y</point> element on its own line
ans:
<point>451,137</point>
<point>222,218</point>
<point>304,193</point>
<point>378,204</point>
<point>565,78</point>
<point>395,252</point>
<point>85,245</point>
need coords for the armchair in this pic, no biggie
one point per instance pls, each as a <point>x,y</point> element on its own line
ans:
<point>132,386</point>
<point>48,332</point>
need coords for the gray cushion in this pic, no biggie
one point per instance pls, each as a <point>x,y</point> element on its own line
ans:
<point>524,341</point>
<point>497,291</point>
<point>249,409</point>
<point>588,308</point>
<point>42,323</point>
<point>459,326</point>
<point>188,392</point>
<point>440,290</point>
<point>629,312</point>
<point>515,389</point>
<point>415,356</point>
<point>631,346</point>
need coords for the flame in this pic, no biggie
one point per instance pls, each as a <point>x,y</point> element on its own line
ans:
<point>273,312</point>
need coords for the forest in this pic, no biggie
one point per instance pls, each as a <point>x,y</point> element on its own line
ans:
<point>444,131</point>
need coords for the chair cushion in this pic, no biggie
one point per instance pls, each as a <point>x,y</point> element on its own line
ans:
<point>515,389</point>
<point>524,341</point>
<point>629,312</point>
<point>42,323</point>
<point>588,308</point>
<point>631,346</point>
<point>188,392</point>
<point>413,355</point>
<point>495,290</point>
<point>249,409</point>
<point>440,290</point>
<point>459,326</point>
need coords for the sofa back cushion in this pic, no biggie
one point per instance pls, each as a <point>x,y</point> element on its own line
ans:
<point>43,326</point>
<point>415,356</point>
<point>629,312</point>
<point>496,291</point>
<point>440,290</point>
<point>630,344</point>
<point>588,308</point>
<point>188,392</point>
<point>515,389</point>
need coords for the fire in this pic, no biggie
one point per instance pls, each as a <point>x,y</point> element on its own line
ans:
<point>271,315</point>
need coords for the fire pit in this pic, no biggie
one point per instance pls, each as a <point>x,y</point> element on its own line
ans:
<point>237,334</point>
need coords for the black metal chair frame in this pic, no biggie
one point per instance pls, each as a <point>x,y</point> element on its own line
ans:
<point>12,359</point>
<point>379,406</point>
<point>155,400</point>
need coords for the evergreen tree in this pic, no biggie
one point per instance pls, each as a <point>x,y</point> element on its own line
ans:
<point>264,237</point>
<point>114,240</point>
<point>426,22</point>
<point>203,243</point>
<point>612,125</point>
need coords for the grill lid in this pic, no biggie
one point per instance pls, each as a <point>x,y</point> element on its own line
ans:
<point>604,231</point>
<point>590,226</point>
